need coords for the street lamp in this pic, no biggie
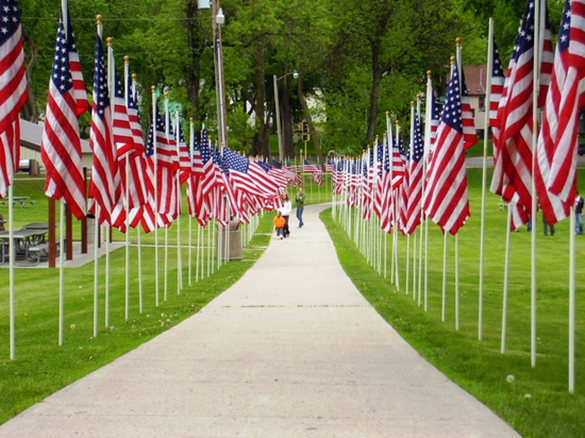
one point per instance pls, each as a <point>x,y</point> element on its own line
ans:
<point>218,20</point>
<point>277,111</point>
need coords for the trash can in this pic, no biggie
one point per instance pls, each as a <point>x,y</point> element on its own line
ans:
<point>235,240</point>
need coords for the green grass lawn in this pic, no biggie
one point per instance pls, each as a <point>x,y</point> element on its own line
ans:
<point>478,366</point>
<point>42,367</point>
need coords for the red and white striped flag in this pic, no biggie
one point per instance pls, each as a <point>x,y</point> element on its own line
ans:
<point>559,134</point>
<point>515,117</point>
<point>105,186</point>
<point>446,201</point>
<point>13,91</point>
<point>60,144</point>
<point>415,170</point>
<point>563,174</point>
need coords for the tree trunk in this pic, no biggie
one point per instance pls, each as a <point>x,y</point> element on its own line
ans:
<point>286,118</point>
<point>260,144</point>
<point>307,115</point>
<point>376,79</point>
<point>29,110</point>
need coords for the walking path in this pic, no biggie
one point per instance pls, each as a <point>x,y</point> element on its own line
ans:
<point>291,350</point>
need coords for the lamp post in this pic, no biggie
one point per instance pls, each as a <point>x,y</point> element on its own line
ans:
<point>218,20</point>
<point>277,111</point>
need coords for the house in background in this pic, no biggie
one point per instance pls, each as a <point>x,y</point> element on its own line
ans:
<point>476,82</point>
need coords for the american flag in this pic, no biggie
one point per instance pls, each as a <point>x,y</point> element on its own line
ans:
<point>60,144</point>
<point>386,191</point>
<point>330,165</point>
<point>383,170</point>
<point>309,167</point>
<point>469,134</point>
<point>105,187</point>
<point>194,181</point>
<point>183,152</point>
<point>563,173</point>
<point>124,139</point>
<point>446,201</point>
<point>13,90</point>
<point>515,117</point>
<point>167,165</point>
<point>398,161</point>
<point>415,170</point>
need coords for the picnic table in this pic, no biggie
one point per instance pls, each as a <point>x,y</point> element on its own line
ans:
<point>22,200</point>
<point>26,241</point>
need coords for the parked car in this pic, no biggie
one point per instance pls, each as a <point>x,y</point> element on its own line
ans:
<point>581,149</point>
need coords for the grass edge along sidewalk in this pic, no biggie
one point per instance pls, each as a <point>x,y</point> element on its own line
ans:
<point>536,403</point>
<point>42,367</point>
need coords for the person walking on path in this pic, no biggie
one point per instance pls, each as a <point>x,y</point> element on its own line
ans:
<point>279,225</point>
<point>285,212</point>
<point>578,214</point>
<point>300,200</point>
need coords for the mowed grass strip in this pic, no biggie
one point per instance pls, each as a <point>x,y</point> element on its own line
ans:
<point>42,367</point>
<point>537,403</point>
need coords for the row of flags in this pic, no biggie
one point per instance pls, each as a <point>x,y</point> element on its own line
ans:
<point>442,192</point>
<point>132,183</point>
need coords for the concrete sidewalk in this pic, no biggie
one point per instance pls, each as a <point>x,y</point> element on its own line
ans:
<point>291,350</point>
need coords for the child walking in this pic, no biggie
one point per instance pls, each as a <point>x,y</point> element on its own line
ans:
<point>279,223</point>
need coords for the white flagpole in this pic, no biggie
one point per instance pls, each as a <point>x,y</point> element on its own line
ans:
<point>191,144</point>
<point>460,73</point>
<point>444,290</point>
<point>420,238</point>
<point>391,161</point>
<point>166,263</point>
<point>139,242</point>
<point>424,220</point>
<point>571,302</point>
<point>414,255</point>
<point>61,218</point>
<point>12,255</point>
<point>506,278</point>
<point>484,175</point>
<point>535,87</point>
<point>156,203</point>
<point>61,272</point>
<point>408,235</point>
<point>95,244</point>
<point>127,194</point>
<point>396,211</point>
<point>179,199</point>
<point>457,280</point>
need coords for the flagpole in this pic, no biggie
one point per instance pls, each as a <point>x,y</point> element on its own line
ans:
<point>166,253</point>
<point>127,194</point>
<point>396,199</point>
<point>391,161</point>
<point>191,147</point>
<point>411,141</point>
<point>424,220</point>
<point>506,278</point>
<point>484,175</point>
<point>179,200</point>
<point>138,235</point>
<point>156,201</point>
<point>572,302</point>
<point>444,289</point>
<point>535,87</point>
<point>95,243</point>
<point>12,255</point>
<point>421,225</point>
<point>108,225</point>
<point>460,75</point>
<point>61,272</point>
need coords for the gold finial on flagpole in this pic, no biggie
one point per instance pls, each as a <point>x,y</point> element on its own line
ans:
<point>428,73</point>
<point>418,96</point>
<point>387,113</point>
<point>109,40</point>
<point>412,101</point>
<point>458,41</point>
<point>98,18</point>
<point>152,88</point>
<point>133,77</point>
<point>126,59</point>
<point>452,60</point>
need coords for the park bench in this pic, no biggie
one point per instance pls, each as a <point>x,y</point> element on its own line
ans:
<point>40,250</point>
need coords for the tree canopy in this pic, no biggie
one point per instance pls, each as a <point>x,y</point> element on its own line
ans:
<point>356,60</point>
